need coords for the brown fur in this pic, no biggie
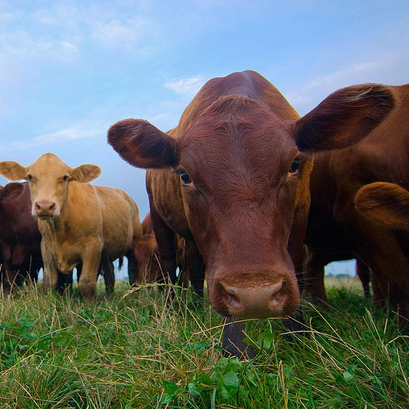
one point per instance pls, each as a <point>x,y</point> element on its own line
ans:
<point>244,209</point>
<point>338,229</point>
<point>20,253</point>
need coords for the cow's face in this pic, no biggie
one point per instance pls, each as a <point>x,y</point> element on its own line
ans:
<point>241,177</point>
<point>239,170</point>
<point>48,179</point>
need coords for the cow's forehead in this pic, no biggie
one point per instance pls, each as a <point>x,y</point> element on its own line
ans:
<point>257,135</point>
<point>48,164</point>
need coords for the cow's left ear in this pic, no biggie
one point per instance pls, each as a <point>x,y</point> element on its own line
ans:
<point>344,118</point>
<point>85,173</point>
<point>12,170</point>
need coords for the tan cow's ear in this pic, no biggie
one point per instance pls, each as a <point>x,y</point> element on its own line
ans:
<point>85,173</point>
<point>12,170</point>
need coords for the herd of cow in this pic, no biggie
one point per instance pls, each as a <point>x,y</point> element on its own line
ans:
<point>243,193</point>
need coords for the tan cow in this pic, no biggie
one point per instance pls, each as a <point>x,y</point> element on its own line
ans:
<point>79,223</point>
<point>234,177</point>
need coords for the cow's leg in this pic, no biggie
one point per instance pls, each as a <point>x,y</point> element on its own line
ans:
<point>11,278</point>
<point>195,267</point>
<point>363,272</point>
<point>90,267</point>
<point>165,238</point>
<point>313,277</point>
<point>64,282</point>
<point>50,271</point>
<point>233,340</point>
<point>107,268</point>
<point>389,263</point>
<point>132,267</point>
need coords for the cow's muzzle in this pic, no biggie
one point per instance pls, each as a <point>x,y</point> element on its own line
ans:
<point>45,209</point>
<point>247,297</point>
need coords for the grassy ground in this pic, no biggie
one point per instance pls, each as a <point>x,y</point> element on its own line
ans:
<point>133,352</point>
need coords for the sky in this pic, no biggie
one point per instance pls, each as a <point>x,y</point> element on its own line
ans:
<point>69,69</point>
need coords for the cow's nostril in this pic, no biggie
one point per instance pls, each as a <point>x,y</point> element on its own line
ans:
<point>233,300</point>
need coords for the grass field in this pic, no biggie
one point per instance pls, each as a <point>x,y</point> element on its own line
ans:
<point>133,352</point>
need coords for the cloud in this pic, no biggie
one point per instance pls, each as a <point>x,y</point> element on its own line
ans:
<point>77,131</point>
<point>187,87</point>
<point>309,95</point>
<point>116,33</point>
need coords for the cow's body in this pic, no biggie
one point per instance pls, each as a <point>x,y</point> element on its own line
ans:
<point>20,238</point>
<point>147,254</point>
<point>188,260</point>
<point>338,229</point>
<point>79,223</point>
<point>234,177</point>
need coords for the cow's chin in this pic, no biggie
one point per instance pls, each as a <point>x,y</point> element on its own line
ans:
<point>46,218</point>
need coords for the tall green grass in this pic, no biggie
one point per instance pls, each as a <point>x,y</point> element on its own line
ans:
<point>131,351</point>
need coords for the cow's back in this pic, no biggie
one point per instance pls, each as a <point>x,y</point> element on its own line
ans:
<point>120,218</point>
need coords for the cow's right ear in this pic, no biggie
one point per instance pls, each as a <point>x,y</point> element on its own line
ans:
<point>12,170</point>
<point>142,145</point>
<point>344,117</point>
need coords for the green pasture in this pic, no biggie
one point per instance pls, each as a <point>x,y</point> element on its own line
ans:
<point>131,351</point>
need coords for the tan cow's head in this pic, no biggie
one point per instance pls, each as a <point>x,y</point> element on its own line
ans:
<point>48,179</point>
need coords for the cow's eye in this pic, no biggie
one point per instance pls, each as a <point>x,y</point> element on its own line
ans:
<point>185,177</point>
<point>29,177</point>
<point>294,165</point>
<point>65,178</point>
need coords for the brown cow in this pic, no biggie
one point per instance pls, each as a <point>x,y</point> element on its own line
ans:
<point>337,227</point>
<point>234,176</point>
<point>149,269</point>
<point>79,222</point>
<point>20,238</point>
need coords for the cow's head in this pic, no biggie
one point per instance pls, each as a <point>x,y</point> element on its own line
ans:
<point>48,179</point>
<point>11,191</point>
<point>242,169</point>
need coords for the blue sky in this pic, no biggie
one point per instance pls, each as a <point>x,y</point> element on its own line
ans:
<point>71,68</point>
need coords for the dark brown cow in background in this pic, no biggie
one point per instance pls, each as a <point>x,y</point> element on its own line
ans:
<point>188,260</point>
<point>147,254</point>
<point>234,177</point>
<point>341,183</point>
<point>20,238</point>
